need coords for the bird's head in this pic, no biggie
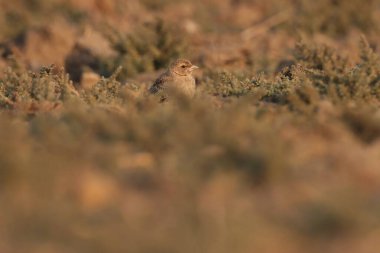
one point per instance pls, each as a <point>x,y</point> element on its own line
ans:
<point>182,67</point>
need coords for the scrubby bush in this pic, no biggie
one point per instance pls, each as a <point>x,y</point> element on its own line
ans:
<point>27,90</point>
<point>149,47</point>
<point>223,83</point>
<point>254,163</point>
<point>106,91</point>
<point>319,72</point>
<point>335,17</point>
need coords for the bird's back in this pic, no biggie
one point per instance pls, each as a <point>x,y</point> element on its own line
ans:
<point>161,82</point>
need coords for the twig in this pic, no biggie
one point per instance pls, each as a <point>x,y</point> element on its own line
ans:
<point>266,25</point>
<point>6,100</point>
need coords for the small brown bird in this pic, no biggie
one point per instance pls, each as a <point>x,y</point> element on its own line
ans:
<point>178,77</point>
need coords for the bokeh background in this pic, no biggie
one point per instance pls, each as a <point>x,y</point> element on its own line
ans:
<point>278,152</point>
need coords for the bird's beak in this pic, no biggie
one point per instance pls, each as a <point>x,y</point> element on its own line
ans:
<point>194,67</point>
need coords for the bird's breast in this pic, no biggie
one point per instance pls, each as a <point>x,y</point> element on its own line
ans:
<point>186,84</point>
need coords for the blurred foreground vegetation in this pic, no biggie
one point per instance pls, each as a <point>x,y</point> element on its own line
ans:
<point>278,152</point>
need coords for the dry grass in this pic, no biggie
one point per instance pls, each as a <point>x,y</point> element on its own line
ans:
<point>278,152</point>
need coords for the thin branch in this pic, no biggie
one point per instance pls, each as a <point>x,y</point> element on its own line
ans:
<point>266,25</point>
<point>6,100</point>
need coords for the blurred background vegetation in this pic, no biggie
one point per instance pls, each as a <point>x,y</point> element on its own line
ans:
<point>278,152</point>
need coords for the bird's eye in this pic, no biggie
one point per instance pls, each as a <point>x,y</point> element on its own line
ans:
<point>183,66</point>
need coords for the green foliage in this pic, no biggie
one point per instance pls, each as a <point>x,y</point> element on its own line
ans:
<point>321,73</point>
<point>251,160</point>
<point>19,16</point>
<point>154,5</point>
<point>35,91</point>
<point>334,17</point>
<point>12,23</point>
<point>226,84</point>
<point>106,91</point>
<point>330,73</point>
<point>149,47</point>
